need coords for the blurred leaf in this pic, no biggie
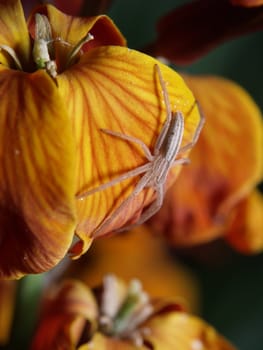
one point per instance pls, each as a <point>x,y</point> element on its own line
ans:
<point>27,304</point>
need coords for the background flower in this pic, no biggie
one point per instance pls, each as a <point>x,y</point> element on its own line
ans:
<point>73,317</point>
<point>223,170</point>
<point>138,253</point>
<point>195,28</point>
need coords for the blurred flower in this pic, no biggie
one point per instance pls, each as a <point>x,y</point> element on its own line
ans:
<point>119,316</point>
<point>191,30</point>
<point>138,253</point>
<point>63,79</point>
<point>247,3</point>
<point>226,166</point>
<point>245,224</point>
<point>7,306</point>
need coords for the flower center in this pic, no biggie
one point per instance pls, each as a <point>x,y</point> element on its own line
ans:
<point>122,313</point>
<point>43,48</point>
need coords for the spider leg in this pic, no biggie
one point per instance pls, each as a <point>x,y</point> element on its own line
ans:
<point>181,161</point>
<point>197,131</point>
<point>162,135</point>
<point>133,139</point>
<point>134,172</point>
<point>151,210</point>
<point>157,204</point>
<point>138,188</point>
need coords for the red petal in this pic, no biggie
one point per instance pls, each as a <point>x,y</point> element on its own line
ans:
<point>194,29</point>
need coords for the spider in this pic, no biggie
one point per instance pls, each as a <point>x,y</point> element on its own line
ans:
<point>167,147</point>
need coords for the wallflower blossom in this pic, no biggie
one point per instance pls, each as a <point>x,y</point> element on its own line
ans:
<point>245,224</point>
<point>226,166</point>
<point>119,316</point>
<point>63,79</point>
<point>206,215</point>
<point>138,253</point>
<point>218,196</point>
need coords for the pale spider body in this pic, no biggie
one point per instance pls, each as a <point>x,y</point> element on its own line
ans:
<point>166,149</point>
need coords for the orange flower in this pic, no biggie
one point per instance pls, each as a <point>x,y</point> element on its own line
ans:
<point>245,224</point>
<point>138,253</point>
<point>226,165</point>
<point>63,79</point>
<point>119,316</point>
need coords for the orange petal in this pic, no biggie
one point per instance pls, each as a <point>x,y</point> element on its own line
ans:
<point>13,30</point>
<point>245,229</point>
<point>71,29</point>
<point>143,256</point>
<point>225,165</point>
<point>37,174</point>
<point>116,88</point>
<point>65,313</point>
<point>191,30</point>
<point>178,330</point>
<point>7,306</point>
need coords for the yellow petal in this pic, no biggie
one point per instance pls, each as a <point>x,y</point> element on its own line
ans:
<point>99,341</point>
<point>118,89</point>
<point>226,164</point>
<point>181,331</point>
<point>37,174</point>
<point>245,229</point>
<point>13,30</point>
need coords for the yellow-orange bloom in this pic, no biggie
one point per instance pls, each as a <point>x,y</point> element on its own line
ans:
<point>62,80</point>
<point>245,225</point>
<point>226,166</point>
<point>138,253</point>
<point>119,316</point>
